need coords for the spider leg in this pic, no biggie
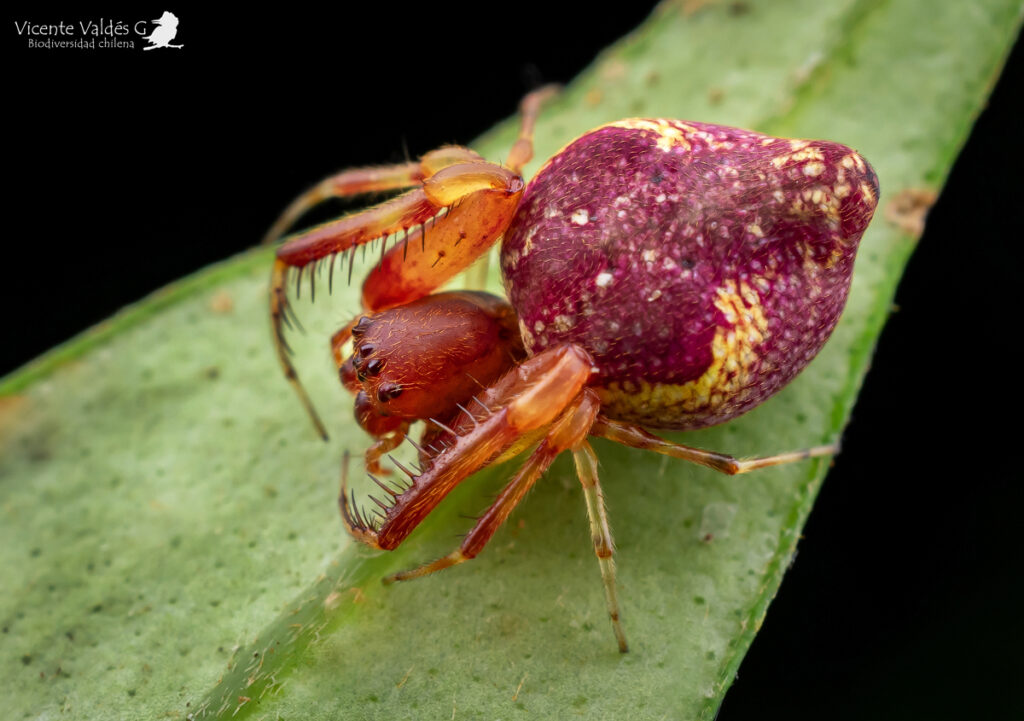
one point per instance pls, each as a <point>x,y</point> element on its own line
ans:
<point>600,533</point>
<point>488,196</point>
<point>636,437</point>
<point>568,431</point>
<point>381,447</point>
<point>358,181</point>
<point>529,109</point>
<point>324,242</point>
<point>348,182</point>
<point>467,202</point>
<point>529,397</point>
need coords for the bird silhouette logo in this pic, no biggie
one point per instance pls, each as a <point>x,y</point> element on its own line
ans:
<point>163,34</point>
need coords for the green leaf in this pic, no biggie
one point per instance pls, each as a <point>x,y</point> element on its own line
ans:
<point>170,540</point>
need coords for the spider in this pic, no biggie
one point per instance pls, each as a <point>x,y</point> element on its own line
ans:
<point>660,274</point>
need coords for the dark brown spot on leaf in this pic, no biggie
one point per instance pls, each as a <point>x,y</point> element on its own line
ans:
<point>908,209</point>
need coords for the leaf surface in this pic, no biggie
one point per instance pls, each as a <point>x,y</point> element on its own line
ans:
<point>170,539</point>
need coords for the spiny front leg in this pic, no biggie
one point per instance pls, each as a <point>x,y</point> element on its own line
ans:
<point>479,201</point>
<point>468,202</point>
<point>630,435</point>
<point>346,183</point>
<point>526,399</point>
<point>324,243</point>
<point>487,196</point>
<point>568,431</point>
<point>358,181</point>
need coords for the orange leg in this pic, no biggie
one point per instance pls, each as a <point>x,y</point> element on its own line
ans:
<point>529,109</point>
<point>357,181</point>
<point>475,203</point>
<point>466,201</point>
<point>568,431</point>
<point>529,397</point>
<point>630,435</point>
<point>488,196</point>
<point>349,182</point>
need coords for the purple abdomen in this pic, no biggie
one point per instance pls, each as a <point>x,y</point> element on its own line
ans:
<point>701,266</point>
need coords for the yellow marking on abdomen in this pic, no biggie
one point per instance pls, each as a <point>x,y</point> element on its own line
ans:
<point>669,136</point>
<point>734,358</point>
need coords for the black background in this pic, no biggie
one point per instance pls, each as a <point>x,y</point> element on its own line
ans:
<point>127,170</point>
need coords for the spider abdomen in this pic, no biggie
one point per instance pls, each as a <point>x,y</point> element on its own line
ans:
<point>701,266</point>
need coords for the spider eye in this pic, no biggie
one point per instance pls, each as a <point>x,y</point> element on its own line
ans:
<point>347,374</point>
<point>361,327</point>
<point>387,391</point>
